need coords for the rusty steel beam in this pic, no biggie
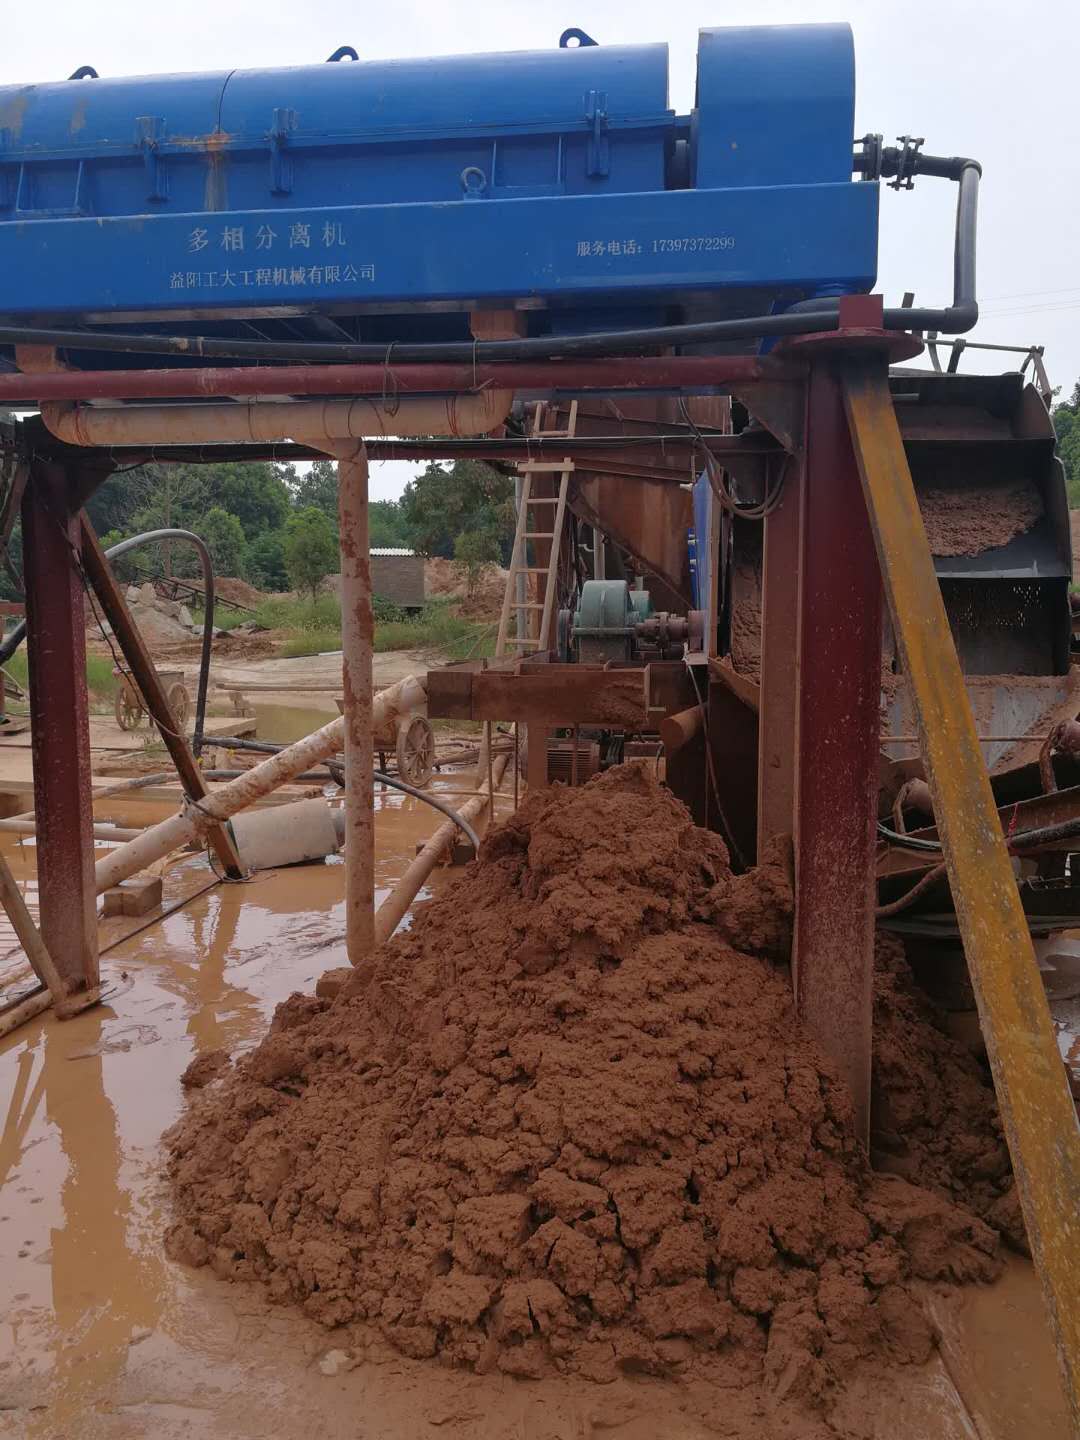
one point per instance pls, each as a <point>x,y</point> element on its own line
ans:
<point>60,726</point>
<point>146,677</point>
<point>1030,1080</point>
<point>357,635</point>
<point>777,739</point>
<point>667,372</point>
<point>838,691</point>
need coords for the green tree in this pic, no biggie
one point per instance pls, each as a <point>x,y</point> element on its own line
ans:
<point>318,488</point>
<point>257,494</point>
<point>224,536</point>
<point>1066,418</point>
<point>266,561</point>
<point>157,496</point>
<point>445,502</point>
<point>311,552</point>
<point>388,525</point>
<point>475,551</point>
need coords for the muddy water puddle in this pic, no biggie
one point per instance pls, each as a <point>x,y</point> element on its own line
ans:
<point>284,723</point>
<point>102,1338</point>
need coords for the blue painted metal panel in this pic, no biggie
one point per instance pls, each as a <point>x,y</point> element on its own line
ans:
<point>775,105</point>
<point>581,246</point>
<point>560,122</point>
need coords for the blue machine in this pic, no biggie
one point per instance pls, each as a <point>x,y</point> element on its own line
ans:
<point>560,182</point>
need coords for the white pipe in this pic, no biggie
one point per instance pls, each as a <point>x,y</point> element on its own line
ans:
<point>196,818</point>
<point>391,912</point>
<point>313,422</point>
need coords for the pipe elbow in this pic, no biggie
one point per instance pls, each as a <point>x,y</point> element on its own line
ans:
<point>61,418</point>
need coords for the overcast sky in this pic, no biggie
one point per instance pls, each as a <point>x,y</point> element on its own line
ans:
<point>975,77</point>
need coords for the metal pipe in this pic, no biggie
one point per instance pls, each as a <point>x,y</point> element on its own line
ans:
<point>646,373</point>
<point>607,452</point>
<point>194,820</point>
<point>23,1010</point>
<point>267,747</point>
<point>357,638</point>
<point>678,730</point>
<point>322,422</point>
<point>392,911</point>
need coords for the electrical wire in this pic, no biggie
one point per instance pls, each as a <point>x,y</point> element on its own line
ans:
<point>732,842</point>
<point>269,747</point>
<point>725,496</point>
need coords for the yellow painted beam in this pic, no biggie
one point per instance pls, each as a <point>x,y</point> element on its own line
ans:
<point>1037,1110</point>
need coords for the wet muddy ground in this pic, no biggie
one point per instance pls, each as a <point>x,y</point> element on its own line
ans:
<point>101,1336</point>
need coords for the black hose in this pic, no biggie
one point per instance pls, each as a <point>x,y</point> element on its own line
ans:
<point>269,747</point>
<point>207,563</point>
<point>1017,842</point>
<point>954,319</point>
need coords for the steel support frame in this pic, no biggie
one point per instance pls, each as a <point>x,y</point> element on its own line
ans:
<point>115,608</point>
<point>836,717</point>
<point>60,726</point>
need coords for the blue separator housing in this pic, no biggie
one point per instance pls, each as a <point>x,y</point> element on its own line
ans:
<point>408,193</point>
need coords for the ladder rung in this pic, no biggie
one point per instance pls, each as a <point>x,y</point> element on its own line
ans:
<point>527,605</point>
<point>524,640</point>
<point>538,535</point>
<point>553,466</point>
<point>542,500</point>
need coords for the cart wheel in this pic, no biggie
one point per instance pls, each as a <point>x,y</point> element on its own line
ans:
<point>416,750</point>
<point>128,707</point>
<point>179,704</point>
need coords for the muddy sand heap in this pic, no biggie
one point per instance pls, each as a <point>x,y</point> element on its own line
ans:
<point>568,1122</point>
<point>971,521</point>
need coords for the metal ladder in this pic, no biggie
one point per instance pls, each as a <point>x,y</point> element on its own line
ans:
<point>523,609</point>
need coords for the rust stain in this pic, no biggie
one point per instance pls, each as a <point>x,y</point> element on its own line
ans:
<point>13,112</point>
<point>78,116</point>
<point>216,196</point>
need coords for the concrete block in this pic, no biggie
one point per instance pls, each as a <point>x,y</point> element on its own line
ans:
<point>137,896</point>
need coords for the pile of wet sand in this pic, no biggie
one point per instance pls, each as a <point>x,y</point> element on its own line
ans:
<point>972,520</point>
<point>569,1122</point>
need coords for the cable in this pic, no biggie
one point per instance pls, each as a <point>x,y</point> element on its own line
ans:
<point>732,842</point>
<point>759,510</point>
<point>268,747</point>
<point>910,896</point>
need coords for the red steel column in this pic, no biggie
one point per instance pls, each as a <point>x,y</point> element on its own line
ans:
<point>838,721</point>
<point>779,687</point>
<point>357,630</point>
<point>60,729</point>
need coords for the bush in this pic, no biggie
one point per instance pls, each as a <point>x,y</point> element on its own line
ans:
<point>384,609</point>
<point>311,642</point>
<point>288,613</point>
<point>266,561</point>
<point>475,552</point>
<point>100,680</point>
